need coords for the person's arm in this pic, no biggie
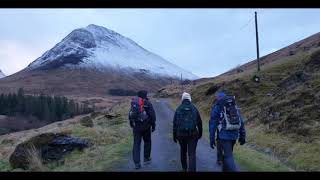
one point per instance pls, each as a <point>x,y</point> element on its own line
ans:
<point>213,122</point>
<point>130,119</point>
<point>199,124</point>
<point>242,131</point>
<point>152,114</point>
<point>174,127</point>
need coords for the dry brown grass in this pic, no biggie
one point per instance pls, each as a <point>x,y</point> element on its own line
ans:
<point>21,136</point>
<point>34,159</point>
<point>61,126</point>
<point>86,121</point>
<point>111,139</point>
<point>282,118</point>
<point>78,82</point>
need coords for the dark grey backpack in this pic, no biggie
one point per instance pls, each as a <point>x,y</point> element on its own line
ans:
<point>186,120</point>
<point>230,115</point>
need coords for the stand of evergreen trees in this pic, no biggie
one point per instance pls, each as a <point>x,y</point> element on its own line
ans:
<point>43,107</point>
<point>122,92</point>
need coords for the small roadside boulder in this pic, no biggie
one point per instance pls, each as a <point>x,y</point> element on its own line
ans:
<point>19,158</point>
<point>111,116</point>
<point>51,146</point>
<point>86,121</point>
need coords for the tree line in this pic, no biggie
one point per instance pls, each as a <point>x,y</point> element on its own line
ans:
<point>122,92</point>
<point>49,108</point>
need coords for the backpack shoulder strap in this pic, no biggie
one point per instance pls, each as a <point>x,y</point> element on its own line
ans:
<point>135,99</point>
<point>194,109</point>
<point>220,103</point>
<point>179,107</point>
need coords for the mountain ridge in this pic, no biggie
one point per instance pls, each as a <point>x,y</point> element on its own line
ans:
<point>94,61</point>
<point>98,47</point>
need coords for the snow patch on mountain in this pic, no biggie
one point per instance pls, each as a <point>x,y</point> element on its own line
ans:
<point>2,75</point>
<point>101,48</point>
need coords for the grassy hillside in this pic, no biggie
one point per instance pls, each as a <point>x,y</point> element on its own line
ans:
<point>111,142</point>
<point>282,111</point>
<point>79,82</point>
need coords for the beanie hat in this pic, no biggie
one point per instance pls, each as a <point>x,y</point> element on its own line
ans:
<point>186,96</point>
<point>220,94</point>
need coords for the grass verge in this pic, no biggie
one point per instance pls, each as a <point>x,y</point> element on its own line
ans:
<point>112,142</point>
<point>111,138</point>
<point>252,160</point>
<point>296,154</point>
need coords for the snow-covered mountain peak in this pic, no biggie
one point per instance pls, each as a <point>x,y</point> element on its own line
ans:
<point>2,75</point>
<point>100,31</point>
<point>101,48</point>
<point>106,37</point>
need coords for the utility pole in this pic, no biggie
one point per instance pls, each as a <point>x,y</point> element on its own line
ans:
<point>257,41</point>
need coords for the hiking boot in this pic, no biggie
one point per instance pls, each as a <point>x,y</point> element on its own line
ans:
<point>219,162</point>
<point>147,160</point>
<point>137,166</point>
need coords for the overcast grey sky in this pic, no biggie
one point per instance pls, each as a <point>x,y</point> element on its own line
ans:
<point>206,42</point>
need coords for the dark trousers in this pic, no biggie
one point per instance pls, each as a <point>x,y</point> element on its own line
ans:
<point>188,145</point>
<point>228,160</point>
<point>146,136</point>
<point>219,151</point>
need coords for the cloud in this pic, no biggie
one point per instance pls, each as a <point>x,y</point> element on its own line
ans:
<point>14,56</point>
<point>206,41</point>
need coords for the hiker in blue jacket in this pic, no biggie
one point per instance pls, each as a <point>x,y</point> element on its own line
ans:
<point>226,118</point>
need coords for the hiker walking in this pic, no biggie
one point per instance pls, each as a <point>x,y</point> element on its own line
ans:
<point>142,120</point>
<point>187,129</point>
<point>226,118</point>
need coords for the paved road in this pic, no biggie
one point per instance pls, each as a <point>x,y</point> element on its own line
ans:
<point>165,153</point>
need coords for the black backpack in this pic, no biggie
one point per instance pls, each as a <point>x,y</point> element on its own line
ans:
<point>229,114</point>
<point>186,120</point>
<point>137,110</point>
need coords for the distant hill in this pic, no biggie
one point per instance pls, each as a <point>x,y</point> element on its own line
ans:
<point>295,48</point>
<point>282,111</point>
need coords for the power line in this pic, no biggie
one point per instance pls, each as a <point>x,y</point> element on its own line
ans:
<point>231,35</point>
<point>247,23</point>
<point>250,20</point>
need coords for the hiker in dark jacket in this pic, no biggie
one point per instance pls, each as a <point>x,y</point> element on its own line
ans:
<point>227,137</point>
<point>187,129</point>
<point>142,130</point>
